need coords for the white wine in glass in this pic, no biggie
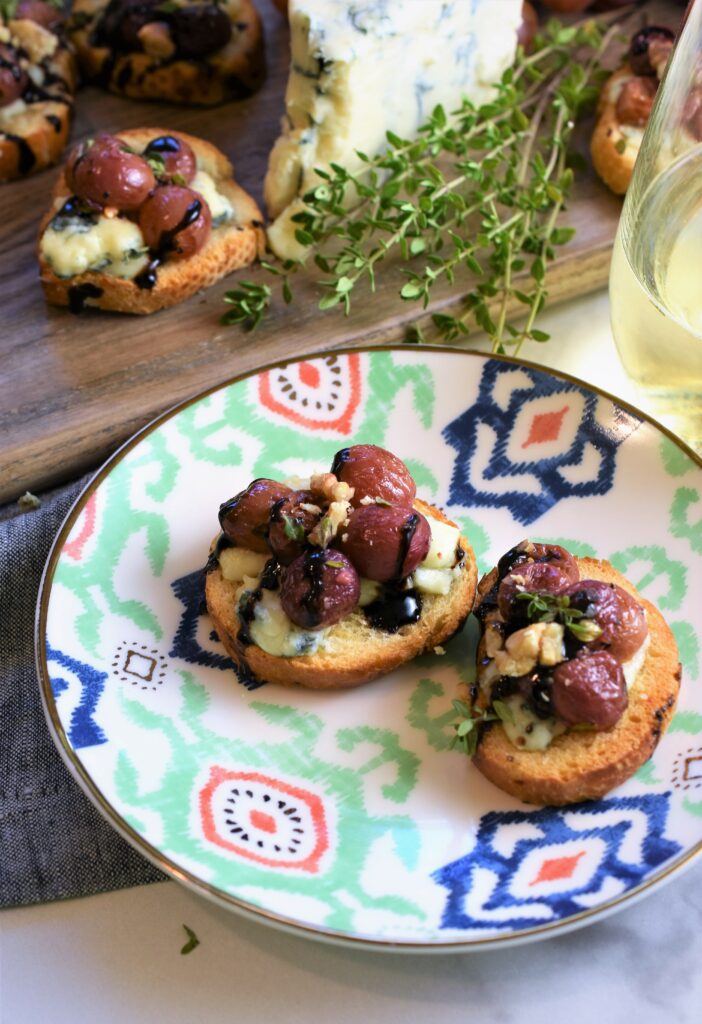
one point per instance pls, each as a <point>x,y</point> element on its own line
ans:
<point>656,275</point>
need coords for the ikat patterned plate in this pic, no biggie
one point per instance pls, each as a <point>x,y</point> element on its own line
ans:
<point>346,816</point>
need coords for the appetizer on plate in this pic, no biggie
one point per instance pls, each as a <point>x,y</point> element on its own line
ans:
<point>578,676</point>
<point>142,220</point>
<point>625,105</point>
<point>37,82</point>
<point>183,51</point>
<point>330,582</point>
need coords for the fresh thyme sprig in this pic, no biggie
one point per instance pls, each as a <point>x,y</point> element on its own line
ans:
<point>471,718</point>
<point>475,198</point>
<point>557,608</point>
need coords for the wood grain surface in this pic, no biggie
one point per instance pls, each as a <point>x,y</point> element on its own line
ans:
<point>74,387</point>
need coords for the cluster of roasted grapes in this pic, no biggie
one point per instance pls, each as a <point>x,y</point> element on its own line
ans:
<point>150,188</point>
<point>385,538</point>
<point>14,80</point>
<point>195,30</point>
<point>589,687</point>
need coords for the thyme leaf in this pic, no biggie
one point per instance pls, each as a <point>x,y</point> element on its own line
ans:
<point>192,942</point>
<point>557,608</point>
<point>475,199</point>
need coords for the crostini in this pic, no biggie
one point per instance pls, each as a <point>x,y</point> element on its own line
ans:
<point>142,220</point>
<point>182,51</point>
<point>578,676</point>
<point>37,82</point>
<point>625,105</point>
<point>330,582</point>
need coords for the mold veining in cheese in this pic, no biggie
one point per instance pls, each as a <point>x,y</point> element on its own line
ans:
<point>361,69</point>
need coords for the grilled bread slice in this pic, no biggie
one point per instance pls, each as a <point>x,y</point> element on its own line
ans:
<point>34,128</point>
<point>154,67</point>
<point>354,651</point>
<point>235,243</point>
<point>584,765</point>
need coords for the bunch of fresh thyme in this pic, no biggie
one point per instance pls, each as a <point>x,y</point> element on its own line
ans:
<point>474,200</point>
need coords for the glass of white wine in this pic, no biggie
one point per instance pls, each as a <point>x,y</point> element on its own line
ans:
<point>655,283</point>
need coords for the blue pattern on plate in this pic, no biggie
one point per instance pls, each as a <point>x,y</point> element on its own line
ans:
<point>579,463</point>
<point>83,730</point>
<point>620,840</point>
<point>190,590</point>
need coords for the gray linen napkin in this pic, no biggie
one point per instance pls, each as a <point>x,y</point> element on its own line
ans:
<point>53,843</point>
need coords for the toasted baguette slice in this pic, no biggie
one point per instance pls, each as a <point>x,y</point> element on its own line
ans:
<point>586,765</point>
<point>232,245</point>
<point>356,652</point>
<point>614,147</point>
<point>155,72</point>
<point>34,133</point>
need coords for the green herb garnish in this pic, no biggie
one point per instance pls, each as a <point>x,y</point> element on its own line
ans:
<point>470,718</point>
<point>293,528</point>
<point>192,942</point>
<point>476,197</point>
<point>557,608</point>
<point>157,165</point>
<point>249,304</point>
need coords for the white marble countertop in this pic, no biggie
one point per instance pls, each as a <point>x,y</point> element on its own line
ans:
<point>116,958</point>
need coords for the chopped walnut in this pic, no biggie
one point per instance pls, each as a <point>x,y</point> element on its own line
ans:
<point>337,515</point>
<point>331,489</point>
<point>494,638</point>
<point>540,643</point>
<point>156,39</point>
<point>36,41</point>
<point>552,651</point>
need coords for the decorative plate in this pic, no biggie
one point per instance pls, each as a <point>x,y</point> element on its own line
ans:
<point>346,815</point>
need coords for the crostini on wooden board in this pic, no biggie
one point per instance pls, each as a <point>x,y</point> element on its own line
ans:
<point>142,220</point>
<point>37,83</point>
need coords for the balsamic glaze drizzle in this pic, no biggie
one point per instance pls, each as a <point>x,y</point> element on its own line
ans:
<point>269,580</point>
<point>147,278</point>
<point>78,293</point>
<point>394,608</point>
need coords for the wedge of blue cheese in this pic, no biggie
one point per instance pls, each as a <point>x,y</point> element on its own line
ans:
<point>361,69</point>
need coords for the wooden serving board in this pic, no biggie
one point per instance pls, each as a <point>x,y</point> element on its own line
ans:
<point>72,388</point>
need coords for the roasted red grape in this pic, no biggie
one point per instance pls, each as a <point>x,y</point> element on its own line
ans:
<point>550,554</point>
<point>200,29</point>
<point>386,543</point>
<point>121,21</point>
<point>244,518</point>
<point>649,48</point>
<point>567,6</point>
<point>177,156</point>
<point>13,80</point>
<point>635,101</point>
<point>374,472</point>
<point>108,173</point>
<point>46,15</point>
<point>620,617</point>
<point>290,524</point>
<point>319,588</point>
<point>530,577</point>
<point>175,222</point>
<point>590,690</point>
